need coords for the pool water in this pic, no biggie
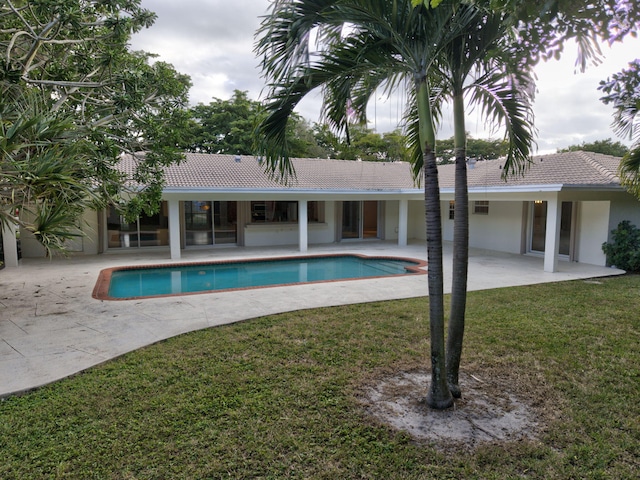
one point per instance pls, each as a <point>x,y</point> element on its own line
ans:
<point>136,282</point>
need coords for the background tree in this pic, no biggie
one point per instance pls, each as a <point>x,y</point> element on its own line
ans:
<point>476,148</point>
<point>606,147</point>
<point>67,64</point>
<point>226,126</point>
<point>396,147</point>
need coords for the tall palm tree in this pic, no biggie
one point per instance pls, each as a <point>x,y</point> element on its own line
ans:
<point>366,44</point>
<point>480,63</point>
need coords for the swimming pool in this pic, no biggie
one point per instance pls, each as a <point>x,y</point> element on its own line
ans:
<point>123,283</point>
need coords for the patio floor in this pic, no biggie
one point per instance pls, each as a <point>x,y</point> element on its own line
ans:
<point>51,327</point>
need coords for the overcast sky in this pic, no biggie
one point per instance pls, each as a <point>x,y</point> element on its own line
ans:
<point>212,41</point>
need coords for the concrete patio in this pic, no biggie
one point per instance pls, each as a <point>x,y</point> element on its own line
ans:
<point>51,327</point>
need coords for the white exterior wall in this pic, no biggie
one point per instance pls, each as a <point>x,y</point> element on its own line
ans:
<point>324,232</point>
<point>287,233</point>
<point>416,229</point>
<point>624,207</point>
<point>271,234</point>
<point>259,235</point>
<point>500,230</point>
<point>86,245</point>
<point>391,220</point>
<point>592,231</point>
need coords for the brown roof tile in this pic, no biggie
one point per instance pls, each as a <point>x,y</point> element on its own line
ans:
<point>568,169</point>
<point>224,172</point>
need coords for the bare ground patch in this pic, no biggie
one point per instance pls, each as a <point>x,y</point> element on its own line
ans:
<point>491,410</point>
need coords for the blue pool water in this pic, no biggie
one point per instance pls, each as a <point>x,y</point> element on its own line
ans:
<point>180,279</point>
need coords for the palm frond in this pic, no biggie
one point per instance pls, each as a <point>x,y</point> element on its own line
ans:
<point>507,100</point>
<point>629,171</point>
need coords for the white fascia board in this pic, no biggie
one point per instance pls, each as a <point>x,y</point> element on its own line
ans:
<point>556,187</point>
<point>596,188</point>
<point>517,189</point>
<point>289,192</point>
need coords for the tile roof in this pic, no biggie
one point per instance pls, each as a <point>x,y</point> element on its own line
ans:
<point>567,169</point>
<point>226,172</point>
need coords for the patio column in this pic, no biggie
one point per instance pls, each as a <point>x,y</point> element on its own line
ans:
<point>403,221</point>
<point>303,226</point>
<point>10,245</point>
<point>552,238</point>
<point>174,229</point>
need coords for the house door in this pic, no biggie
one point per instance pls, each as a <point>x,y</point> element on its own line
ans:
<point>539,227</point>
<point>360,220</point>
<point>209,223</point>
<point>225,222</point>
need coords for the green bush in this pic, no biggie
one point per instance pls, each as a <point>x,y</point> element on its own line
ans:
<point>624,251</point>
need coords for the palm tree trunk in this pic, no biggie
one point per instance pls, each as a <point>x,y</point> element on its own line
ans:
<point>460,252</point>
<point>439,396</point>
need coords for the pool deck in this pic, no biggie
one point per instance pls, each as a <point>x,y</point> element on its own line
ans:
<point>51,327</point>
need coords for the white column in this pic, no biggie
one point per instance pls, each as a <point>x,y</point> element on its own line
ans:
<point>303,226</point>
<point>10,245</point>
<point>552,238</point>
<point>403,221</point>
<point>174,229</point>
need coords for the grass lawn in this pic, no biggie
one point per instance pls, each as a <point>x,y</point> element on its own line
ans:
<point>278,397</point>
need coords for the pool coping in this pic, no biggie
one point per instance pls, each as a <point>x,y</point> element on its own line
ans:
<point>101,289</point>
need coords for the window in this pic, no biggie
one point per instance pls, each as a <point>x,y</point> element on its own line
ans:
<point>284,212</point>
<point>146,231</point>
<point>481,207</point>
<point>274,212</point>
<point>452,209</point>
<point>315,212</point>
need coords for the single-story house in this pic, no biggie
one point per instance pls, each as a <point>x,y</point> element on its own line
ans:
<point>563,208</point>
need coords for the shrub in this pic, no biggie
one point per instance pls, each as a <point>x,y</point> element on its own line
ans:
<point>624,251</point>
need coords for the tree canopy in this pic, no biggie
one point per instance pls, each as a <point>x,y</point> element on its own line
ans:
<point>66,65</point>
<point>607,147</point>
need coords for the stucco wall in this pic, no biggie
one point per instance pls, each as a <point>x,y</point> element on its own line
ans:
<point>591,232</point>
<point>500,229</point>
<point>83,245</point>
<point>416,228</point>
<point>624,207</point>
<point>391,209</point>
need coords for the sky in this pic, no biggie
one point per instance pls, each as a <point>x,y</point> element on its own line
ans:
<point>212,41</point>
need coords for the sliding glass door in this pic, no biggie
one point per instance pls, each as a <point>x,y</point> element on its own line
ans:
<point>359,220</point>
<point>210,223</point>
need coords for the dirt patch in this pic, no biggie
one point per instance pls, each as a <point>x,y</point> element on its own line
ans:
<point>486,413</point>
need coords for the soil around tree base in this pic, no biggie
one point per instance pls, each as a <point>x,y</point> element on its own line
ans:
<point>486,413</point>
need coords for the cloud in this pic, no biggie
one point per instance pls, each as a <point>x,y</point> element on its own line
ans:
<point>213,40</point>
<point>210,40</point>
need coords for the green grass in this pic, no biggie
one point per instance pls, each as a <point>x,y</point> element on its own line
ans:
<point>277,397</point>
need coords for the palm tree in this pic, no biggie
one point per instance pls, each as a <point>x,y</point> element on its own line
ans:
<point>367,44</point>
<point>480,62</point>
<point>622,91</point>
